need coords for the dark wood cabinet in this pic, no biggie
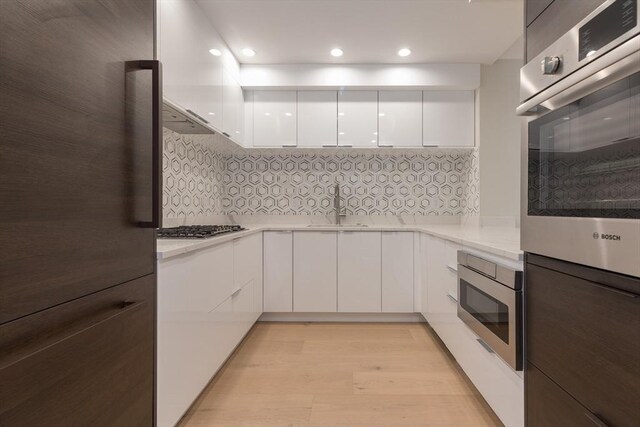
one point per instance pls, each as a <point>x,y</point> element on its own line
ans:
<point>583,332</point>
<point>533,8</point>
<point>75,150</point>
<point>554,19</point>
<point>553,407</point>
<point>89,362</point>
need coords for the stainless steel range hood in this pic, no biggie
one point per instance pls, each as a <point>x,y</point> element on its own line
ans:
<point>183,121</point>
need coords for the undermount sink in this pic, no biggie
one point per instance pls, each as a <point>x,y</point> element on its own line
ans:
<point>339,225</point>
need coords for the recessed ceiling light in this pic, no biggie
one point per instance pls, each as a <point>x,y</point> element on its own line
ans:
<point>404,52</point>
<point>341,114</point>
<point>215,52</point>
<point>212,114</point>
<point>288,114</point>
<point>381,114</point>
<point>340,133</point>
<point>336,52</point>
<point>267,114</point>
<point>248,52</point>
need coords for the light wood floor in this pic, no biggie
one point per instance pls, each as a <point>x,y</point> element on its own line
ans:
<point>319,374</point>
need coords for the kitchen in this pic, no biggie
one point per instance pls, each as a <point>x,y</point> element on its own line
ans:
<point>394,213</point>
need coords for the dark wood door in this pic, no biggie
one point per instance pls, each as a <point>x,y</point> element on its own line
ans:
<point>533,8</point>
<point>75,149</point>
<point>89,362</point>
<point>583,332</point>
<point>552,406</point>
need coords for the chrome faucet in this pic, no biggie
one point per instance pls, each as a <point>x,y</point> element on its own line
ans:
<point>336,203</point>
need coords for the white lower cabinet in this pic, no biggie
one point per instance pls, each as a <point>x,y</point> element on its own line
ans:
<point>315,266</point>
<point>207,302</point>
<point>278,271</point>
<point>397,272</point>
<point>359,276</point>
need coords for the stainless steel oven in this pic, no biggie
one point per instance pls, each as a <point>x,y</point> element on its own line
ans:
<point>581,169</point>
<point>490,304</point>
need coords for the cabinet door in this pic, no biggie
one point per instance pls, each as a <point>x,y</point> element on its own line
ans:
<point>86,362</point>
<point>76,171</point>
<point>400,118</point>
<point>448,118</point>
<point>278,271</point>
<point>358,118</point>
<point>192,77</point>
<point>247,260</point>
<point>315,271</point>
<point>230,112</point>
<point>397,272</point>
<point>317,118</point>
<point>274,118</point>
<point>247,139</point>
<point>359,279</point>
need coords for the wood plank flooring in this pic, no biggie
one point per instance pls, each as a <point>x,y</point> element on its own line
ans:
<point>330,374</point>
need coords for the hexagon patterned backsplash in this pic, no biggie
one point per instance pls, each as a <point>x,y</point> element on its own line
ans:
<point>200,181</point>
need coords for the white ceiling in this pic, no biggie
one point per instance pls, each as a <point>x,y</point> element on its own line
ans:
<point>369,31</point>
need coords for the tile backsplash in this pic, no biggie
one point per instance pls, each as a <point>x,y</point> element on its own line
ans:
<point>200,180</point>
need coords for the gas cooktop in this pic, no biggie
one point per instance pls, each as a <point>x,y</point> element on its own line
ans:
<point>196,231</point>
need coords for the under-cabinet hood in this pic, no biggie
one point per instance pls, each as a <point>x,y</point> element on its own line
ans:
<point>183,121</point>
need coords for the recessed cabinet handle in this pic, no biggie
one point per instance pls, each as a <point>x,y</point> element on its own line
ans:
<point>288,145</point>
<point>595,420</point>
<point>386,145</point>
<point>485,345</point>
<point>430,145</point>
<point>452,269</point>
<point>345,145</point>
<point>614,290</point>
<point>236,292</point>
<point>329,145</point>
<point>452,298</point>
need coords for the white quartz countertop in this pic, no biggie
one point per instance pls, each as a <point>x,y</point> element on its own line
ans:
<point>497,240</point>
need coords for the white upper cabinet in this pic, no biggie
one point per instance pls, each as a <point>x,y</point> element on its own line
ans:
<point>315,264</point>
<point>400,118</point>
<point>448,118</point>
<point>233,108</point>
<point>248,119</point>
<point>358,118</point>
<point>274,118</point>
<point>192,77</point>
<point>317,118</point>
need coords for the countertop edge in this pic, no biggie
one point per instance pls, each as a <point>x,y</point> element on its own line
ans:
<point>190,246</point>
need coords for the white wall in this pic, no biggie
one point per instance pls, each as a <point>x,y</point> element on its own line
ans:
<point>499,138</point>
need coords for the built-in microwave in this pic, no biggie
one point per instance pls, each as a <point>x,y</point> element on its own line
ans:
<point>581,169</point>
<point>490,304</point>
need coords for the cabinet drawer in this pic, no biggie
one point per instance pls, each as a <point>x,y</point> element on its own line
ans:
<point>585,336</point>
<point>86,362</point>
<point>551,405</point>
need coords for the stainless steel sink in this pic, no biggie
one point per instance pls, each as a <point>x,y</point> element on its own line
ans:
<point>339,225</point>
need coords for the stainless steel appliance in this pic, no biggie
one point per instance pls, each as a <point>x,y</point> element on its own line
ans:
<point>581,171</point>
<point>197,231</point>
<point>490,303</point>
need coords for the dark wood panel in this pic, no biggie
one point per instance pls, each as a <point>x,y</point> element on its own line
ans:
<point>533,8</point>
<point>75,149</point>
<point>547,405</point>
<point>89,362</point>
<point>586,337</point>
<point>558,18</point>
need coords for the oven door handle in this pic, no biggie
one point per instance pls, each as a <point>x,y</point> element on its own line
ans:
<point>621,62</point>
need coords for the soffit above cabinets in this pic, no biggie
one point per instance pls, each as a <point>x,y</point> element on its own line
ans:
<point>369,32</point>
<point>359,76</point>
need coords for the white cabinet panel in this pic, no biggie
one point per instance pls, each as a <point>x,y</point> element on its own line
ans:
<point>247,140</point>
<point>278,271</point>
<point>397,272</point>
<point>317,118</point>
<point>232,108</point>
<point>247,254</point>
<point>315,271</point>
<point>358,118</point>
<point>449,118</point>
<point>400,118</point>
<point>359,279</point>
<point>274,118</point>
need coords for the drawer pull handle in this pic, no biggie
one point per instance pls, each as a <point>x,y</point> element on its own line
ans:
<point>485,345</point>
<point>452,269</point>
<point>614,290</point>
<point>595,420</point>
<point>236,292</point>
<point>452,298</point>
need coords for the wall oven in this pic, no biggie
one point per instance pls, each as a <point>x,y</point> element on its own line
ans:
<point>581,171</point>
<point>490,304</point>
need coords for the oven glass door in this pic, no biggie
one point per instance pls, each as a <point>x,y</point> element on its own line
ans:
<point>584,158</point>
<point>492,313</point>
